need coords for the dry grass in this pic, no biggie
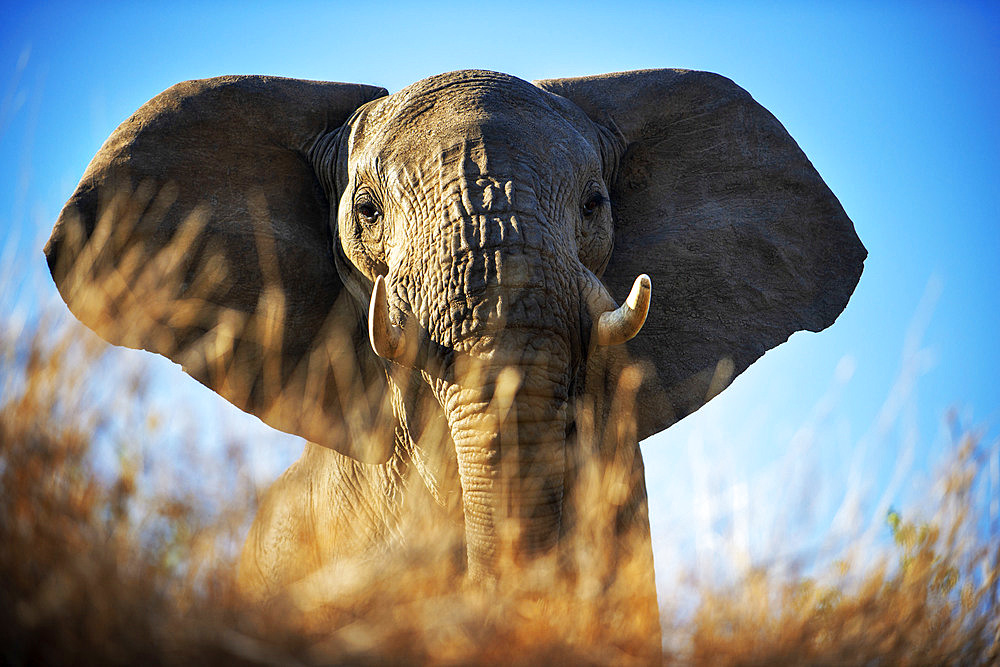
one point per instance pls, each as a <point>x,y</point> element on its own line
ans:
<point>94,569</point>
<point>935,604</point>
<point>97,565</point>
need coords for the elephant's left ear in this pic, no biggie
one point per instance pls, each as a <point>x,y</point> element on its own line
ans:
<point>743,240</point>
<point>201,231</point>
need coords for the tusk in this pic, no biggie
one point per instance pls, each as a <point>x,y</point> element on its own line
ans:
<point>386,338</point>
<point>617,326</point>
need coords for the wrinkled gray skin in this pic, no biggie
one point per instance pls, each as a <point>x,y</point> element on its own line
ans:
<point>483,243</point>
<point>505,217</point>
<point>479,182</point>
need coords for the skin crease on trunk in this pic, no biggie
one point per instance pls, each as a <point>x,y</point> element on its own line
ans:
<point>472,209</point>
<point>422,285</point>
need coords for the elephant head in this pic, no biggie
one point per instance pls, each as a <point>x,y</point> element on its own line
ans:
<point>465,244</point>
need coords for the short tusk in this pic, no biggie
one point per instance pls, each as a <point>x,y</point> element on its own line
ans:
<point>617,326</point>
<point>386,338</point>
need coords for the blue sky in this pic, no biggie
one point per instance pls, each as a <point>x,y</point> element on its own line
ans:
<point>896,104</point>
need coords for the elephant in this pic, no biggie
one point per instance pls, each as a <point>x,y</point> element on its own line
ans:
<point>461,248</point>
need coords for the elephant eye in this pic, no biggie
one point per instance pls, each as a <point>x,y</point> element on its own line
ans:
<point>367,212</point>
<point>591,204</point>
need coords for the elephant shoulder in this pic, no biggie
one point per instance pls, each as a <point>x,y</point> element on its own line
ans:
<point>326,506</point>
<point>281,546</point>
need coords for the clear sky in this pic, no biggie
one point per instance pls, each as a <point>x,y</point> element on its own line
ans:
<point>896,104</point>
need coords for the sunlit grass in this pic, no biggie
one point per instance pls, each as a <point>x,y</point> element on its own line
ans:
<point>119,541</point>
<point>95,567</point>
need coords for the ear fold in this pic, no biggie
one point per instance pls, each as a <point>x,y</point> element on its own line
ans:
<point>200,231</point>
<point>743,240</point>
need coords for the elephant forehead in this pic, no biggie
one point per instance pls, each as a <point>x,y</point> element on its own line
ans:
<point>468,182</point>
<point>471,174</point>
<point>468,95</point>
<point>478,199</point>
<point>502,113</point>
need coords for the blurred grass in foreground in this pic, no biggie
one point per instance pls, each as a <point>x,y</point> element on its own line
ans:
<point>96,568</point>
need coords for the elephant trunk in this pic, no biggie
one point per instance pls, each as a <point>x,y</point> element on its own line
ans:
<point>510,441</point>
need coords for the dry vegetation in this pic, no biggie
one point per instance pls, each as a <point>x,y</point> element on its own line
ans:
<point>96,569</point>
<point>98,565</point>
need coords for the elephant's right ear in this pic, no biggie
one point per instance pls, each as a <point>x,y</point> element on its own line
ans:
<point>713,199</point>
<point>200,231</point>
